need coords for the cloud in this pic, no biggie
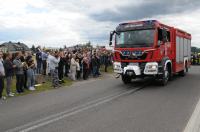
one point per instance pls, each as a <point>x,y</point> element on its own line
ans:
<point>146,9</point>
<point>68,22</point>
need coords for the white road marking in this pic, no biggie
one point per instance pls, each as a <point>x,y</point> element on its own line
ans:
<point>194,122</point>
<point>56,117</point>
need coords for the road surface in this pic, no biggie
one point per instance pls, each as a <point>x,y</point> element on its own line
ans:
<point>106,105</point>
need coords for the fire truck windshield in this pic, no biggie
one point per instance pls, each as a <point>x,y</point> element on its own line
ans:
<point>135,38</point>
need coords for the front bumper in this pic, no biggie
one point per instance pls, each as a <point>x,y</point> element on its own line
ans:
<point>142,69</point>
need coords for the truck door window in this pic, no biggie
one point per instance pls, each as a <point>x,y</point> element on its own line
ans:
<point>163,35</point>
<point>160,35</point>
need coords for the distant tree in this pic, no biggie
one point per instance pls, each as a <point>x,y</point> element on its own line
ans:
<point>88,44</point>
<point>33,49</point>
<point>195,50</point>
<point>61,49</point>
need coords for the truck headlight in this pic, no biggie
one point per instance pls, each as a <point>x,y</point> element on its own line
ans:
<point>151,68</point>
<point>117,65</point>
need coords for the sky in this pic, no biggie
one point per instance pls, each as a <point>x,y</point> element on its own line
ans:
<point>54,23</point>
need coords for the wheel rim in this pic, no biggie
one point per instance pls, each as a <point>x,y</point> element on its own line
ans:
<point>166,76</point>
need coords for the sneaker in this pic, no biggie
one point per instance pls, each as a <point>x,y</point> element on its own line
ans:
<point>11,95</point>
<point>3,98</point>
<point>31,88</point>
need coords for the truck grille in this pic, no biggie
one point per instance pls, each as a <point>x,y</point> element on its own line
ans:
<point>131,57</point>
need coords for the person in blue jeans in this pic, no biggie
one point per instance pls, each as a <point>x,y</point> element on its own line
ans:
<point>31,75</point>
<point>19,71</point>
<point>9,73</point>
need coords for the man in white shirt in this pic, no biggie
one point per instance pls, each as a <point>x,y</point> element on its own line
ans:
<point>54,59</point>
<point>2,74</point>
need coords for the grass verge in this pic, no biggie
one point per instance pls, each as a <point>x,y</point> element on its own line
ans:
<point>43,87</point>
<point>109,69</point>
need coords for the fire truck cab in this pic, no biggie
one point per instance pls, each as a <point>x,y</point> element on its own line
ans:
<point>150,48</point>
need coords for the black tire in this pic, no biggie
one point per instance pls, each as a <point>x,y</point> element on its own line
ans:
<point>126,79</point>
<point>165,76</point>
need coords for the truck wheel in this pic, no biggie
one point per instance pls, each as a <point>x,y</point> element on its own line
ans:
<point>165,77</point>
<point>126,79</point>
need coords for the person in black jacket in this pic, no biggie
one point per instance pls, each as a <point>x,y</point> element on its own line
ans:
<point>9,73</point>
<point>67,64</point>
<point>61,65</point>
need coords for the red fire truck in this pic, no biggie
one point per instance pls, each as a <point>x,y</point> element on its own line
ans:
<point>150,48</point>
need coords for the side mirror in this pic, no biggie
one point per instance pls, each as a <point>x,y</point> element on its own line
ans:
<point>111,37</point>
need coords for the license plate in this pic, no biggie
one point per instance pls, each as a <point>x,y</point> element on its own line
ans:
<point>134,64</point>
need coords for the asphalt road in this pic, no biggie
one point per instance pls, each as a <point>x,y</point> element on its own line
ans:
<point>106,105</point>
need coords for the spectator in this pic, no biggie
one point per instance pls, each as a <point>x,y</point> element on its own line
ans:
<point>106,61</point>
<point>30,74</point>
<point>73,67</point>
<point>98,65</point>
<point>2,74</point>
<point>54,59</point>
<point>78,69</point>
<point>44,62</point>
<point>23,60</point>
<point>94,65</point>
<point>39,60</point>
<point>67,64</point>
<point>85,67</point>
<point>80,59</point>
<point>9,73</point>
<point>61,67</point>
<point>48,63</point>
<point>19,73</point>
<point>29,56</point>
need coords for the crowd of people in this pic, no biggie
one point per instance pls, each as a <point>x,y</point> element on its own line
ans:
<point>196,59</point>
<point>25,66</point>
